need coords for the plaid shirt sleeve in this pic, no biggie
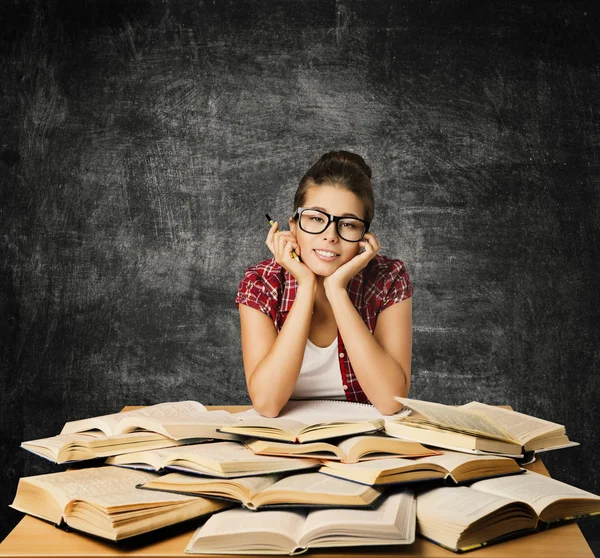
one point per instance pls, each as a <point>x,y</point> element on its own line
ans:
<point>396,284</point>
<point>255,292</point>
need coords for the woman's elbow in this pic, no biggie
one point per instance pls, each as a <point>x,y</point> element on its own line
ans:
<point>268,411</point>
<point>266,407</point>
<point>389,407</point>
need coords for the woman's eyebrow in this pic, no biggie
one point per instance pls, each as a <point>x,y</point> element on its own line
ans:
<point>342,215</point>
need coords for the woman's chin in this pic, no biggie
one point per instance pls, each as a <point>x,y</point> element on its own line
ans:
<point>323,269</point>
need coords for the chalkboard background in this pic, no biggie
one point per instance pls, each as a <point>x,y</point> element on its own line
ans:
<point>143,141</point>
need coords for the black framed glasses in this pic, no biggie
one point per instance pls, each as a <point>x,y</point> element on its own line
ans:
<point>315,221</point>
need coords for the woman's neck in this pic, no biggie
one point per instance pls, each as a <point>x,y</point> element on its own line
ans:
<point>322,304</point>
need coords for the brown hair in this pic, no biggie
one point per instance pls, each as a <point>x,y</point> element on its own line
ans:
<point>340,168</point>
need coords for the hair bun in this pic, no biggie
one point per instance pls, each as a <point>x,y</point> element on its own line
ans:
<point>349,158</point>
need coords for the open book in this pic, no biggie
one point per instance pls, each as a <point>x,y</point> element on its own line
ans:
<point>241,531</point>
<point>308,421</point>
<point>105,502</point>
<point>452,467</point>
<point>350,450</point>
<point>179,420</point>
<point>66,448</point>
<point>464,518</point>
<point>477,428</point>
<point>215,459</point>
<point>265,491</point>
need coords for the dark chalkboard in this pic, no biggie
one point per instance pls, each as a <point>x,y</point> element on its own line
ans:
<point>141,144</point>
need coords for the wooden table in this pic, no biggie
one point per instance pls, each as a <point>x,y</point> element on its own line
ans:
<point>34,537</point>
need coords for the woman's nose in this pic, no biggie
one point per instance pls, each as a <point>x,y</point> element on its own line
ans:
<point>329,232</point>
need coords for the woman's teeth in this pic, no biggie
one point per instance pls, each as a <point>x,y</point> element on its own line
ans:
<point>326,255</point>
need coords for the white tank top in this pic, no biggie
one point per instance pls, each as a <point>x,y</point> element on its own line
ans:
<point>320,375</point>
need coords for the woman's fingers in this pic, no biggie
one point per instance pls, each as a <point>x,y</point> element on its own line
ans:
<point>276,237</point>
<point>370,241</point>
<point>281,244</point>
<point>271,235</point>
<point>369,245</point>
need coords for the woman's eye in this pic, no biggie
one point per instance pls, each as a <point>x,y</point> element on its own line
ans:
<point>348,225</point>
<point>316,219</point>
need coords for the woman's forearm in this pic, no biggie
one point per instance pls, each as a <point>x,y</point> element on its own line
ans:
<point>273,380</point>
<point>379,374</point>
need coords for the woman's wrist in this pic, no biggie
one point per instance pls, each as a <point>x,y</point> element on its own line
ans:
<point>309,286</point>
<point>335,293</point>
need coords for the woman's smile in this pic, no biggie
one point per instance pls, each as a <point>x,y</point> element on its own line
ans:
<point>326,255</point>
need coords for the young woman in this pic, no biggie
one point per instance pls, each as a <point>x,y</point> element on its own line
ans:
<point>336,321</point>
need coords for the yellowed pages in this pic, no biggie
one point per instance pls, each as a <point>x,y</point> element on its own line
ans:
<point>309,449</point>
<point>379,465</point>
<point>457,418</point>
<point>243,488</point>
<point>119,508</point>
<point>393,522</point>
<point>109,424</point>
<point>240,531</point>
<point>214,458</point>
<point>306,415</point>
<point>272,425</point>
<point>205,424</point>
<point>93,443</point>
<point>316,411</point>
<point>317,483</point>
<point>443,514</point>
<point>451,460</point>
<point>51,447</point>
<point>522,427</point>
<point>248,532</point>
<point>536,490</point>
<point>385,446</point>
<point>380,470</point>
<point>90,482</point>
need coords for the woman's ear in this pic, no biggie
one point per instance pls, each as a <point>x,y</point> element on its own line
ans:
<point>292,225</point>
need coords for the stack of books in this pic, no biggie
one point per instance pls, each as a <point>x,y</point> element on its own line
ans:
<point>321,474</point>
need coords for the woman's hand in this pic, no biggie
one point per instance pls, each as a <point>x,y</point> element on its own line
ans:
<point>369,246</point>
<point>281,244</point>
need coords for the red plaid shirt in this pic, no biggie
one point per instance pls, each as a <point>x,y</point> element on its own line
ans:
<point>268,287</point>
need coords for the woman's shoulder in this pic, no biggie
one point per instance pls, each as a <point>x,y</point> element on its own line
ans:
<point>386,279</point>
<point>382,266</point>
<point>268,272</point>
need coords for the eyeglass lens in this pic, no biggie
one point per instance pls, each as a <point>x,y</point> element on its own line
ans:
<point>315,222</point>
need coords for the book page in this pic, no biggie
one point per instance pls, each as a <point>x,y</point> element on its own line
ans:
<point>238,529</point>
<point>96,439</point>
<point>222,452</point>
<point>317,483</point>
<point>214,451</point>
<point>203,418</point>
<point>372,523</point>
<point>207,454</point>
<point>457,418</point>
<point>536,490</point>
<point>257,421</point>
<point>253,485</point>
<point>310,412</point>
<point>360,448</point>
<point>450,460</point>
<point>110,482</point>
<point>55,443</point>
<point>522,427</point>
<point>378,465</point>
<point>109,424</point>
<point>272,447</point>
<point>459,505</point>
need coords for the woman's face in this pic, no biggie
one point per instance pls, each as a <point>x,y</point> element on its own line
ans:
<point>325,252</point>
